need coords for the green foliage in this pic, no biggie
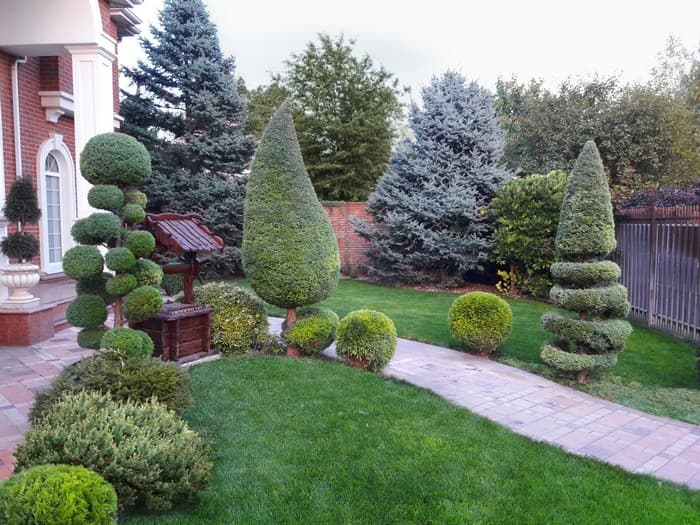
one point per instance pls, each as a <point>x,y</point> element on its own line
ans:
<point>172,283</point>
<point>598,336</point>
<point>573,362</point>
<point>83,262</point>
<point>480,321</point>
<point>87,311</point>
<point>290,253</point>
<point>238,322</point>
<point>132,213</point>
<point>527,215</point>
<point>147,344</point>
<point>95,286</point>
<point>121,284</point>
<point>147,273</point>
<point>135,378</point>
<point>263,101</point>
<point>57,495</point>
<point>585,274</point>
<point>126,342</point>
<point>121,447</point>
<point>141,303</point>
<point>141,243</point>
<point>120,259</point>
<point>20,245</point>
<point>22,205</point>
<point>344,111</point>
<point>368,337</point>
<point>105,197</point>
<point>98,228</point>
<point>606,301</point>
<point>91,337</point>
<point>134,196</point>
<point>313,331</point>
<point>115,158</point>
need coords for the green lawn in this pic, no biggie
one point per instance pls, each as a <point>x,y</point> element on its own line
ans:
<point>311,441</point>
<point>655,373</point>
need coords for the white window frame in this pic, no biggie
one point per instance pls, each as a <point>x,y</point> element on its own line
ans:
<point>62,154</point>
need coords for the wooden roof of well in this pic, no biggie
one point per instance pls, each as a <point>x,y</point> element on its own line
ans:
<point>182,233</point>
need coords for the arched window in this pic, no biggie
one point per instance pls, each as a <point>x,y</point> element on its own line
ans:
<point>52,185</point>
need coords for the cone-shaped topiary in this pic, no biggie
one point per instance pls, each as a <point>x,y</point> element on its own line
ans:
<point>585,283</point>
<point>290,253</point>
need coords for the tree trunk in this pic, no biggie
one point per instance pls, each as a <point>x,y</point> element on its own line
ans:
<point>118,320</point>
<point>443,275</point>
<point>581,377</point>
<point>292,351</point>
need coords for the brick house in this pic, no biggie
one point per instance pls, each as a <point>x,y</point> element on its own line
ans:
<point>58,87</point>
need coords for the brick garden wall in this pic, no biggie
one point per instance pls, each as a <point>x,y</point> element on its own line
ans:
<point>352,246</point>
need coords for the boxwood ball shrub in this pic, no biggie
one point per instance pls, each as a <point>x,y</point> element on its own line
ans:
<point>238,321</point>
<point>147,273</point>
<point>98,228</point>
<point>121,447</point>
<point>132,213</point>
<point>105,197</point>
<point>584,281</point>
<point>87,311</point>
<point>91,337</point>
<point>115,158</point>
<point>121,284</point>
<point>135,378</point>
<point>57,495</point>
<point>480,321</point>
<point>95,286</point>
<point>126,342</point>
<point>141,243</point>
<point>313,331</point>
<point>83,262</point>
<point>141,303</point>
<point>368,337</point>
<point>120,259</point>
<point>134,196</point>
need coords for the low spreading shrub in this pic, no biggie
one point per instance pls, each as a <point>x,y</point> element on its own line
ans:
<point>127,342</point>
<point>314,330</point>
<point>135,378</point>
<point>480,321</point>
<point>367,337</point>
<point>145,451</point>
<point>83,262</point>
<point>57,495</point>
<point>141,303</point>
<point>87,311</point>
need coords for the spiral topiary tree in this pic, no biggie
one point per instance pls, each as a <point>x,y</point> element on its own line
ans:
<point>290,253</point>
<point>114,163</point>
<point>585,282</point>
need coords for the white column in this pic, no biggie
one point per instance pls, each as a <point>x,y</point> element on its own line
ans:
<point>93,102</point>
<point>3,222</point>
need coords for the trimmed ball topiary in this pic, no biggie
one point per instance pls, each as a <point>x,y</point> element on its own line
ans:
<point>121,447</point>
<point>87,311</point>
<point>480,321</point>
<point>57,495</point>
<point>132,213</point>
<point>98,228</point>
<point>147,345</point>
<point>115,158</point>
<point>147,273</point>
<point>95,286</point>
<point>91,337</point>
<point>127,342</point>
<point>141,243</point>
<point>120,259</point>
<point>238,322</point>
<point>313,331</point>
<point>135,378</point>
<point>105,197</point>
<point>367,338</point>
<point>20,245</point>
<point>121,284</point>
<point>134,196</point>
<point>83,262</point>
<point>141,303</point>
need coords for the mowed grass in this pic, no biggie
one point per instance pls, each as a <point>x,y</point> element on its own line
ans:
<point>656,372</point>
<point>316,442</point>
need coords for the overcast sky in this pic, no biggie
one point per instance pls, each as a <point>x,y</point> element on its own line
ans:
<point>548,40</point>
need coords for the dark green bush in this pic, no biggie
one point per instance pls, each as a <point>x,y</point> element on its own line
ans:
<point>20,245</point>
<point>105,197</point>
<point>135,378</point>
<point>115,158</point>
<point>91,337</point>
<point>480,321</point>
<point>136,197</point>
<point>126,342</point>
<point>121,284</point>
<point>121,447</point>
<point>238,322</point>
<point>87,311</point>
<point>95,286</point>
<point>367,337</point>
<point>147,273</point>
<point>313,331</point>
<point>120,259</point>
<point>57,495</point>
<point>585,274</point>
<point>132,213</point>
<point>147,345</point>
<point>83,262</point>
<point>21,204</point>
<point>98,228</point>
<point>172,283</point>
<point>141,243</point>
<point>141,303</point>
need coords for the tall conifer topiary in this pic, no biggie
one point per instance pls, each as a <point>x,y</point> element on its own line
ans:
<point>585,282</point>
<point>290,253</point>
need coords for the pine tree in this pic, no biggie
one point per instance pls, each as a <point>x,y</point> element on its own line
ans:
<point>431,207</point>
<point>290,253</point>
<point>186,107</point>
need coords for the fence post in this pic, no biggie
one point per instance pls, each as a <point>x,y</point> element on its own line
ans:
<point>651,311</point>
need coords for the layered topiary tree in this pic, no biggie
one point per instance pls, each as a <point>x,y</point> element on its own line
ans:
<point>585,282</point>
<point>290,253</point>
<point>114,163</point>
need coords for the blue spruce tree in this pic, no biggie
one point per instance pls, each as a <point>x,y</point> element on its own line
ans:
<point>431,208</point>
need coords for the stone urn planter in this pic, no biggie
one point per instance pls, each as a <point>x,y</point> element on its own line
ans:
<point>19,278</point>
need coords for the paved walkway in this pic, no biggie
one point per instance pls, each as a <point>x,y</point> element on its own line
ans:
<point>526,403</point>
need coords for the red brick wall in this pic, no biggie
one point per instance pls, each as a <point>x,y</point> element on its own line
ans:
<point>111,29</point>
<point>352,247</point>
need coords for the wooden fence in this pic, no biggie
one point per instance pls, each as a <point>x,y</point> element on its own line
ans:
<point>658,250</point>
